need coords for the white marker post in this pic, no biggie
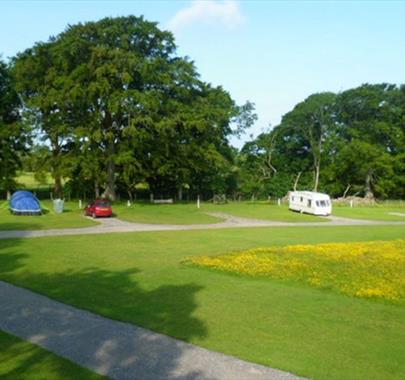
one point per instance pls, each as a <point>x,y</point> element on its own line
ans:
<point>128,203</point>
<point>279,201</point>
<point>198,201</point>
<point>80,203</point>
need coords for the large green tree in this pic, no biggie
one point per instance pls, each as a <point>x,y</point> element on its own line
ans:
<point>117,92</point>
<point>372,126</point>
<point>14,135</point>
<point>40,83</point>
<point>310,123</point>
<point>358,136</point>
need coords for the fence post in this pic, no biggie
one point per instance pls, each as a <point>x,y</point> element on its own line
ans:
<point>279,202</point>
<point>80,204</point>
<point>198,201</point>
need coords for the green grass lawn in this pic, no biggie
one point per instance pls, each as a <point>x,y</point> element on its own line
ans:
<point>23,360</point>
<point>262,210</point>
<point>72,217</point>
<point>183,213</point>
<point>188,213</point>
<point>371,212</point>
<point>140,278</point>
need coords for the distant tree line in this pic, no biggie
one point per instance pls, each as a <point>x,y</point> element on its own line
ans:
<point>109,107</point>
<point>351,143</point>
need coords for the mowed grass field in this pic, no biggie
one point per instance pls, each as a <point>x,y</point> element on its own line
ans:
<point>188,213</point>
<point>72,217</point>
<point>27,179</point>
<point>181,213</point>
<point>262,211</point>
<point>142,212</point>
<point>142,278</point>
<point>378,212</point>
<point>23,360</point>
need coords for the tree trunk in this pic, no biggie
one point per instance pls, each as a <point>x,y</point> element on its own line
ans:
<point>296,181</point>
<point>110,187</point>
<point>316,177</point>
<point>346,191</point>
<point>58,189</point>
<point>131,198</point>
<point>96,189</point>
<point>56,153</point>
<point>367,186</point>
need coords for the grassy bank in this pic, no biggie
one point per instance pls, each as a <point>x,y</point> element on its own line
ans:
<point>72,217</point>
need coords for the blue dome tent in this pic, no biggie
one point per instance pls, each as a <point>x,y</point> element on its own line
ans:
<point>24,203</point>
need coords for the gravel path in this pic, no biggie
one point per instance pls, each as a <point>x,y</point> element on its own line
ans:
<point>111,225</point>
<point>118,350</point>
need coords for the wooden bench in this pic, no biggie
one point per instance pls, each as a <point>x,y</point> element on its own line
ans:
<point>163,201</point>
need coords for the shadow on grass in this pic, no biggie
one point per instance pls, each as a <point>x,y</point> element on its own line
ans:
<point>22,360</point>
<point>105,346</point>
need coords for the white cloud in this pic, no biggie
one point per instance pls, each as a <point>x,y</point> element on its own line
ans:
<point>225,12</point>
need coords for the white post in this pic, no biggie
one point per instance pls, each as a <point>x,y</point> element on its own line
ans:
<point>198,201</point>
<point>80,203</point>
<point>351,204</point>
<point>128,203</point>
<point>279,201</point>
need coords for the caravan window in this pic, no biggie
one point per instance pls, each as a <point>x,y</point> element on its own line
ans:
<point>292,198</point>
<point>317,203</point>
<point>302,199</point>
<point>323,203</point>
<point>309,202</point>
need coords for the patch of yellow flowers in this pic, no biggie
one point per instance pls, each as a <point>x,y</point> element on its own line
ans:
<point>370,270</point>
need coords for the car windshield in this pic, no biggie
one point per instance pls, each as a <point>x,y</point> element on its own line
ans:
<point>103,204</point>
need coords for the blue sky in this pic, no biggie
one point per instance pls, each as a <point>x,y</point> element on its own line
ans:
<point>273,53</point>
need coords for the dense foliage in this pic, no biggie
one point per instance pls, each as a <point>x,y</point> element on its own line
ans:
<point>13,135</point>
<point>344,144</point>
<point>117,107</point>
<point>114,109</point>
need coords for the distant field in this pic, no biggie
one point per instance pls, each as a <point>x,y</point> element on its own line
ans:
<point>72,217</point>
<point>372,212</point>
<point>28,180</point>
<point>186,213</point>
<point>23,360</point>
<point>262,210</point>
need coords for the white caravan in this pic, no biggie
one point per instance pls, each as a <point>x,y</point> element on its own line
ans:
<point>310,202</point>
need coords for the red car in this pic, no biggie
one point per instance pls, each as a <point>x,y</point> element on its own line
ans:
<point>100,207</point>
